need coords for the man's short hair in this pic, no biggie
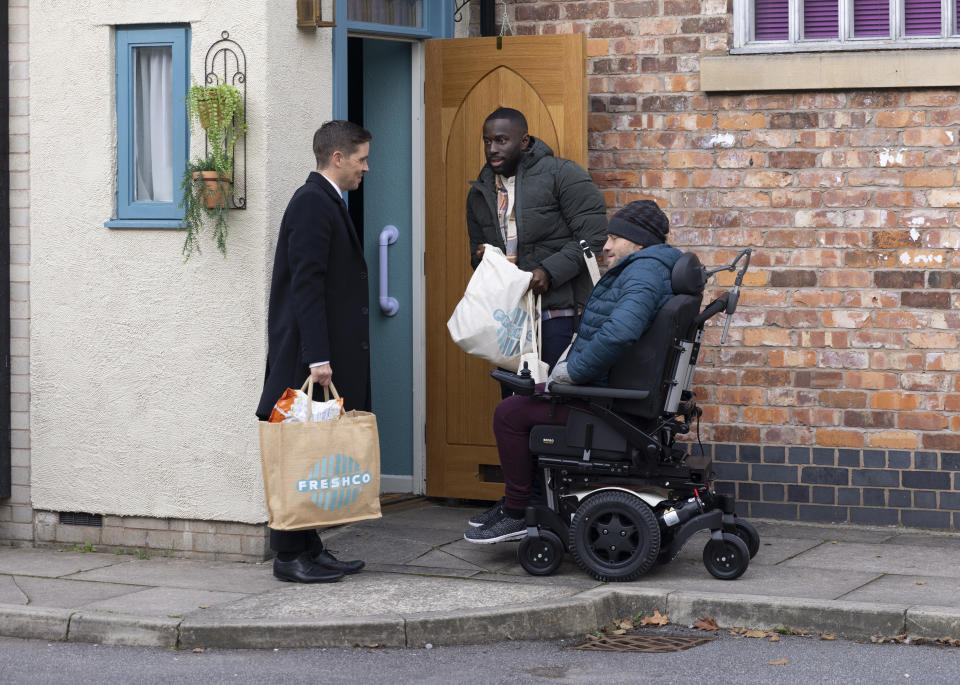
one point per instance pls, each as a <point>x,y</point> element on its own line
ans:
<point>510,114</point>
<point>344,136</point>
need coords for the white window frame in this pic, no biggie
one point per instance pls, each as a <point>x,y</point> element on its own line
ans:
<point>744,43</point>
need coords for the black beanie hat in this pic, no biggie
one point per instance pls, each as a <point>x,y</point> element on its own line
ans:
<point>641,222</point>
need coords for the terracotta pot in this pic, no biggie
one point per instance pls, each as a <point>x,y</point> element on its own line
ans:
<point>214,193</point>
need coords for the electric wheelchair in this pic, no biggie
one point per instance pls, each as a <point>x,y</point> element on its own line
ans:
<point>622,494</point>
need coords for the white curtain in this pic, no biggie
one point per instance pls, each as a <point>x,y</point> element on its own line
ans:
<point>153,124</point>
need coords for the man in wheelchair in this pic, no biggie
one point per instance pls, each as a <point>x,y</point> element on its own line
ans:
<point>620,495</point>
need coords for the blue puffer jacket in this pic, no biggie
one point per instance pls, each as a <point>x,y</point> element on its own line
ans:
<point>620,309</point>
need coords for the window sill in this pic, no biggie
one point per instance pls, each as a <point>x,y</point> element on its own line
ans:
<point>144,223</point>
<point>815,71</point>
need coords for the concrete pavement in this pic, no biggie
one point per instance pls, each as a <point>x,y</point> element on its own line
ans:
<point>425,585</point>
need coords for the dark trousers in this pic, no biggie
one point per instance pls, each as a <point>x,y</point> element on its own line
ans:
<point>512,421</point>
<point>295,541</point>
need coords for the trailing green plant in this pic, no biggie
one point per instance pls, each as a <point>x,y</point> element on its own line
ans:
<point>196,209</point>
<point>218,110</point>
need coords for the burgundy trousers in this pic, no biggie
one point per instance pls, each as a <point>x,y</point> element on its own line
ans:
<point>513,419</point>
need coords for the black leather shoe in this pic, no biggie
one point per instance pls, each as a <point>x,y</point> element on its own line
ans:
<point>327,560</point>
<point>303,570</point>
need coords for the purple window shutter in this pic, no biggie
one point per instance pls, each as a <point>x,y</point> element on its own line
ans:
<point>871,18</point>
<point>821,19</point>
<point>771,19</point>
<point>921,17</point>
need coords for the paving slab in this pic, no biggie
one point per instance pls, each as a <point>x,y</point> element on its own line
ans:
<point>897,559</point>
<point>914,590</point>
<point>491,557</point>
<point>376,547</point>
<point>50,563</point>
<point>187,573</point>
<point>773,550</point>
<point>436,558</point>
<point>69,594</point>
<point>773,581</point>
<point>812,531</point>
<point>163,601</point>
<point>941,541</point>
<point>370,594</point>
<point>10,592</point>
<point>420,570</point>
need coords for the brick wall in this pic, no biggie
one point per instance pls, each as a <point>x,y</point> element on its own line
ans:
<point>843,355</point>
<point>16,515</point>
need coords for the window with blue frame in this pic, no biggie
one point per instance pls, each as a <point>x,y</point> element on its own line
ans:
<point>152,132</point>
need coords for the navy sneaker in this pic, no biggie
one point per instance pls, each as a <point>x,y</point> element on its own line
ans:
<point>485,517</point>
<point>498,530</point>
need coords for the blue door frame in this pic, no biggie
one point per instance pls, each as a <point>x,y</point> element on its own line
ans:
<point>438,23</point>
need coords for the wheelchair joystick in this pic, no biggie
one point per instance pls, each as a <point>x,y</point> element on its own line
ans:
<point>525,371</point>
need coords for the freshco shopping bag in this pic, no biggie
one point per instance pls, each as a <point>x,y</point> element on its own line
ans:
<point>488,321</point>
<point>321,473</point>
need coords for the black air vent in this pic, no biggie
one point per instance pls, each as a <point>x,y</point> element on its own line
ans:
<point>76,518</point>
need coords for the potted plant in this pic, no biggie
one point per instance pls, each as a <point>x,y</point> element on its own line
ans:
<point>218,111</point>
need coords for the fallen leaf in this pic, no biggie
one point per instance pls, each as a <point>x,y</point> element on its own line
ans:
<point>619,631</point>
<point>198,650</point>
<point>657,619</point>
<point>778,662</point>
<point>361,533</point>
<point>834,542</point>
<point>756,633</point>
<point>774,638</point>
<point>879,556</point>
<point>204,606</point>
<point>921,582</point>
<point>705,623</point>
<point>625,623</point>
<point>827,636</point>
<point>592,636</point>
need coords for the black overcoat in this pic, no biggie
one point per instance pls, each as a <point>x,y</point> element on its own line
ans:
<point>318,299</point>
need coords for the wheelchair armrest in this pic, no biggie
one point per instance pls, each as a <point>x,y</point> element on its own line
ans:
<point>597,391</point>
<point>516,383</point>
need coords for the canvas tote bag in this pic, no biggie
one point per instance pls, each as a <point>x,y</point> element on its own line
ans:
<point>532,345</point>
<point>488,321</point>
<point>321,473</point>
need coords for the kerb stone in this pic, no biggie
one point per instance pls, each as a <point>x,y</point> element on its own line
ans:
<point>35,623</point>
<point>850,619</point>
<point>123,629</point>
<point>342,631</point>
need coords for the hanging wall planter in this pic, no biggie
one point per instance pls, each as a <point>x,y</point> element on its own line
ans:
<point>218,110</point>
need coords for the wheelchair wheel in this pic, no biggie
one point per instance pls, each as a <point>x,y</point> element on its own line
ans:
<point>615,536</point>
<point>726,559</point>
<point>749,535</point>
<point>541,556</point>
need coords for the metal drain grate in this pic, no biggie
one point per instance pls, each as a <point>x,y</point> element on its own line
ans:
<point>651,644</point>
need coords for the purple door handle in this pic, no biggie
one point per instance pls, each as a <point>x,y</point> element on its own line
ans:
<point>388,236</point>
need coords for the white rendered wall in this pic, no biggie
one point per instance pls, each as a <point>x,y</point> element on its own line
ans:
<point>146,371</point>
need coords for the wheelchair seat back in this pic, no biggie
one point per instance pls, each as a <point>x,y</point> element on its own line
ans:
<point>650,364</point>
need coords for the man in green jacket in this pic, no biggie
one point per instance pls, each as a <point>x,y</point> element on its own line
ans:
<point>537,208</point>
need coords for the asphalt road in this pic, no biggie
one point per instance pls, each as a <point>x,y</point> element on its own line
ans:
<point>727,660</point>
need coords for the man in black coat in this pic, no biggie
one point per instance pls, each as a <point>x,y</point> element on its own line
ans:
<point>319,318</point>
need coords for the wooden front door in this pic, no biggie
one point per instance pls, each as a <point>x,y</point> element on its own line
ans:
<point>545,78</point>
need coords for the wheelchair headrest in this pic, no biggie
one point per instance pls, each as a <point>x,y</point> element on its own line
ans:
<point>688,276</point>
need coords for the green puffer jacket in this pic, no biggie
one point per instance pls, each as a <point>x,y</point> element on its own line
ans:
<point>556,206</point>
